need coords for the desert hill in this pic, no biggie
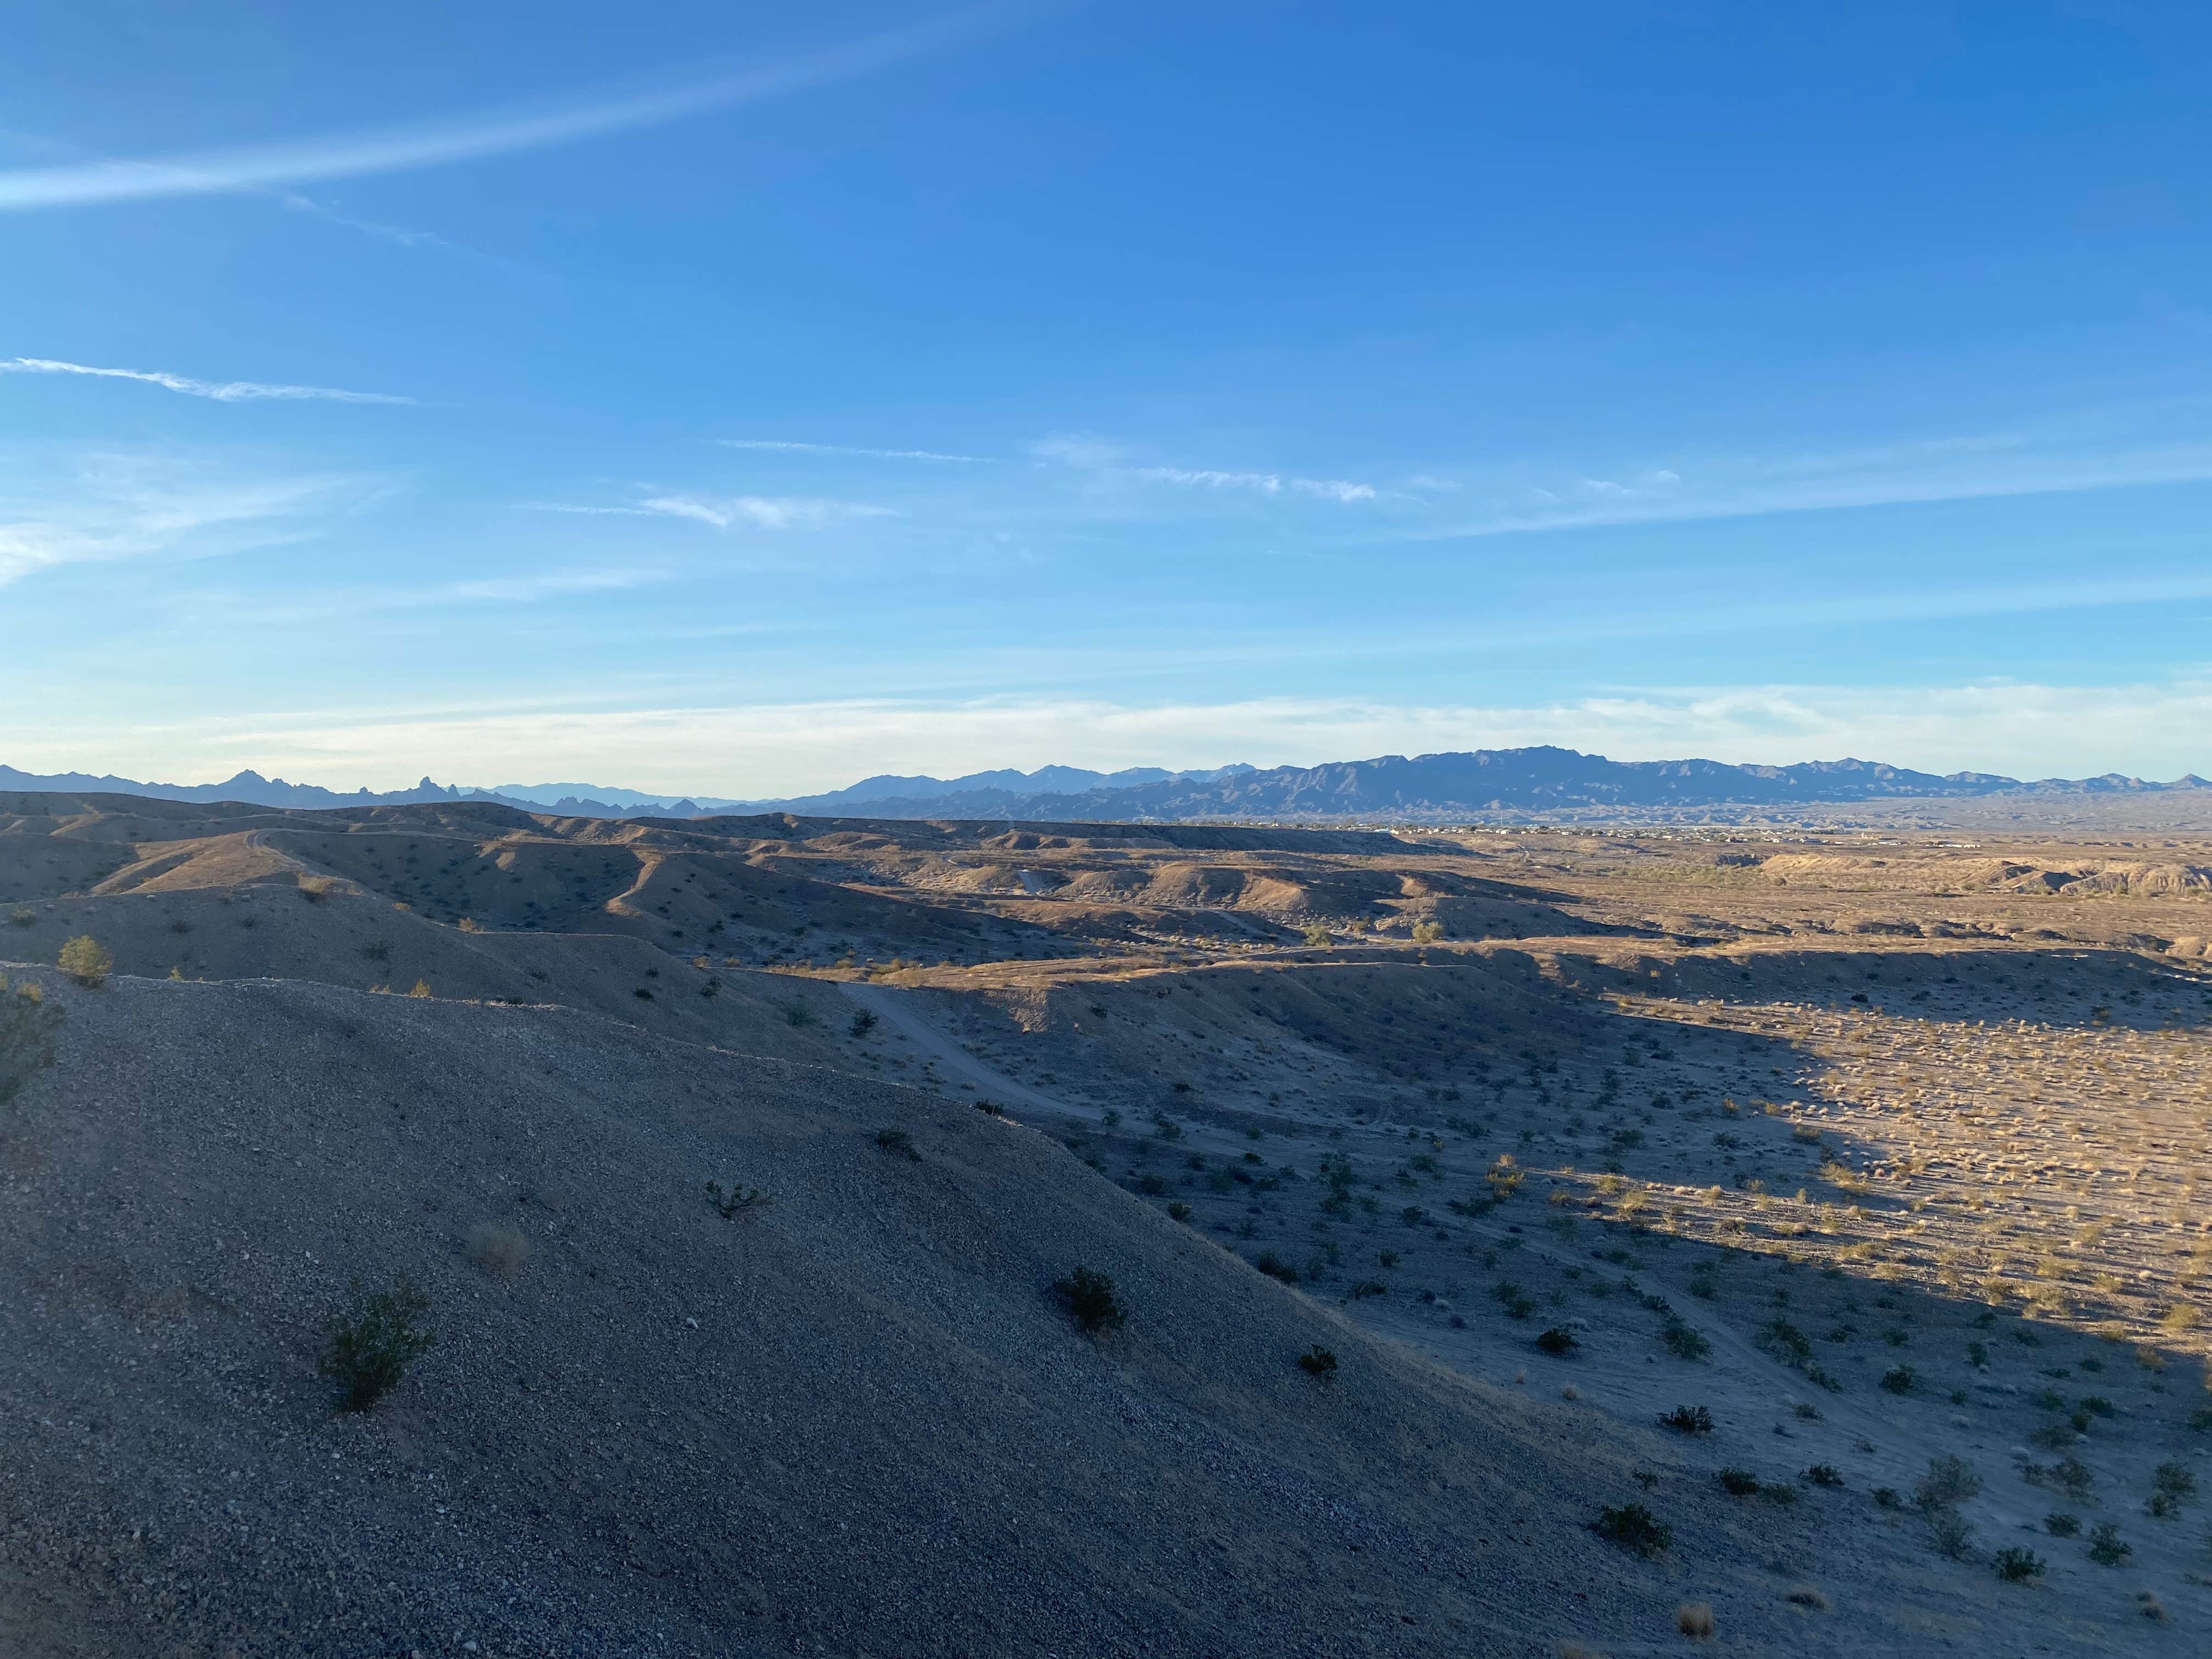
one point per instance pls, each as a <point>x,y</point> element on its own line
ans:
<point>851,1420</point>
<point>1880,1150</point>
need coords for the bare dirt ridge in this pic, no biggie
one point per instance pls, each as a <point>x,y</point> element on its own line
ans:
<point>1882,1148</point>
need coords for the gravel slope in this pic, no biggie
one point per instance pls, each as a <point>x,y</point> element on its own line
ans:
<point>853,1421</point>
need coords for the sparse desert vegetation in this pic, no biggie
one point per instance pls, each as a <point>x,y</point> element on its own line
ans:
<point>1878,1154</point>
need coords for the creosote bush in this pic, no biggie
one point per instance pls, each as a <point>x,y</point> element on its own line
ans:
<point>1558,1342</point>
<point>2106,1547</point>
<point>1090,1302</point>
<point>2019,1566</point>
<point>1688,1419</point>
<point>1318,1363</point>
<point>1739,1483</point>
<point>371,1344</point>
<point>85,960</point>
<point>1634,1528</point>
<point>897,1142</point>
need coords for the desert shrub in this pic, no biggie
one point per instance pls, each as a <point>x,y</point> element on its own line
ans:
<point>1634,1528</point>
<point>1427,932</point>
<point>1275,1267</point>
<point>1688,1419</point>
<point>2016,1565</point>
<point>2106,1547</point>
<point>1179,1211</point>
<point>990,1109</point>
<point>1887,1498</point>
<point>85,960</point>
<point>797,1014</point>
<point>1685,1341</point>
<point>1695,1620</point>
<point>421,989</point>
<point>374,1341</point>
<point>863,1023</point>
<point>1738,1483</point>
<point>1824,1475</point>
<point>1318,1361</point>
<point>1370,1287</point>
<point>2173,1479</point>
<point>1515,1300</point>
<point>28,1023</point>
<point>24,918</point>
<point>500,1251</point>
<point>1558,1342</point>
<point>1089,1297</point>
<point>2074,1477</point>
<point>1899,1379</point>
<point>1317,936</point>
<point>1151,1183</point>
<point>2059,1524</point>
<point>1784,1342</point>
<point>739,1200</point>
<point>1805,1595</point>
<point>1949,1483</point>
<point>1951,1534</point>
<point>898,1141</point>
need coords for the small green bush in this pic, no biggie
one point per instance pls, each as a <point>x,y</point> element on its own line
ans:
<point>1558,1343</point>
<point>1685,1341</point>
<point>1949,1483</point>
<point>1899,1379</point>
<point>1091,1301</point>
<point>1275,1267</point>
<point>2059,1524</point>
<point>2019,1566</point>
<point>1634,1528</point>
<point>1824,1475</point>
<point>1318,1361</point>
<point>1178,1211</point>
<point>2106,1547</point>
<point>1688,1419</point>
<point>85,960</point>
<point>371,1344</point>
<point>898,1141</point>
<point>863,1023</point>
<point>1739,1483</point>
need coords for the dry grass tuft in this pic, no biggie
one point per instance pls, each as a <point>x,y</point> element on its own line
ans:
<point>501,1251</point>
<point>1695,1620</point>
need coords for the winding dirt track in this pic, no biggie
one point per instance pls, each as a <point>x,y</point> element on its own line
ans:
<point>953,1062</point>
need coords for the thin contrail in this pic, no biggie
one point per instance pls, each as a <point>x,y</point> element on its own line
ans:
<point>223,392</point>
<point>394,149</point>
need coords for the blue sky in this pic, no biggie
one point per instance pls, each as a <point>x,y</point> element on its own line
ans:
<point>739,399</point>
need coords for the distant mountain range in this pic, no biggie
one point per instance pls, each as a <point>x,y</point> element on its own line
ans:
<point>1425,788</point>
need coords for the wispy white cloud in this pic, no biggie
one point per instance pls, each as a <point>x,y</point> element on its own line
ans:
<point>788,447</point>
<point>1267,482</point>
<point>223,392</point>
<point>1335,489</point>
<point>477,137</point>
<point>106,507</point>
<point>1100,455</point>
<point>725,512</point>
